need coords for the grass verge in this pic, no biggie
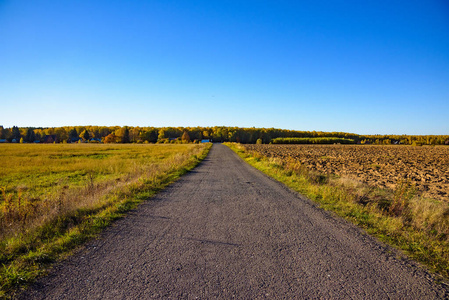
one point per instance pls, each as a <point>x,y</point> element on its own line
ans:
<point>28,254</point>
<point>399,218</point>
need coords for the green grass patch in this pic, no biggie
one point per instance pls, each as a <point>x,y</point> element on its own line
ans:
<point>400,218</point>
<point>43,224</point>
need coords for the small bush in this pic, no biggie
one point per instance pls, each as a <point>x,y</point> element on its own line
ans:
<point>404,192</point>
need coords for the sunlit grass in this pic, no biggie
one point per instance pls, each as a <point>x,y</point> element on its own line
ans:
<point>54,197</point>
<point>38,167</point>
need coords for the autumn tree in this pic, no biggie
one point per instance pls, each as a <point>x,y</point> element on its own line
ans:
<point>185,137</point>
<point>61,133</point>
<point>206,134</point>
<point>217,133</point>
<point>85,135</point>
<point>161,135</point>
<point>134,135</point>
<point>103,131</point>
<point>110,138</point>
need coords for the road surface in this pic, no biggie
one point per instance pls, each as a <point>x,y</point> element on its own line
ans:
<point>225,230</point>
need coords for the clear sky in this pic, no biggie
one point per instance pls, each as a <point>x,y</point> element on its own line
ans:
<point>367,67</point>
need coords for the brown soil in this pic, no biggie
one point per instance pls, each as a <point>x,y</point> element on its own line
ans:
<point>382,166</point>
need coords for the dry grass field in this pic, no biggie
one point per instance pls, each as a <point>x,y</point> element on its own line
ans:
<point>381,166</point>
<point>53,197</point>
<point>40,182</point>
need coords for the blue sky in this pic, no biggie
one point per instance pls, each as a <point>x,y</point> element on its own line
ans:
<point>367,67</point>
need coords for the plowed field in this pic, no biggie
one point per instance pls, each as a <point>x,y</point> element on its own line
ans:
<point>381,166</point>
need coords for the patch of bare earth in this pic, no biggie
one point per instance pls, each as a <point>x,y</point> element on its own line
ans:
<point>377,165</point>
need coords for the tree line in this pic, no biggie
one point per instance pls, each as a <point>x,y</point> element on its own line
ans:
<point>129,134</point>
<point>318,140</point>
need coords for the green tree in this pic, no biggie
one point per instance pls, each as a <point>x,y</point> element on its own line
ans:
<point>125,137</point>
<point>149,135</point>
<point>73,134</point>
<point>15,133</point>
<point>29,136</point>
<point>3,133</point>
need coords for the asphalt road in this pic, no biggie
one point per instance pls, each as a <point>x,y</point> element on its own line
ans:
<point>226,231</point>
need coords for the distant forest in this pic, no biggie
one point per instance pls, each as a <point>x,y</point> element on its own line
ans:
<point>128,134</point>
